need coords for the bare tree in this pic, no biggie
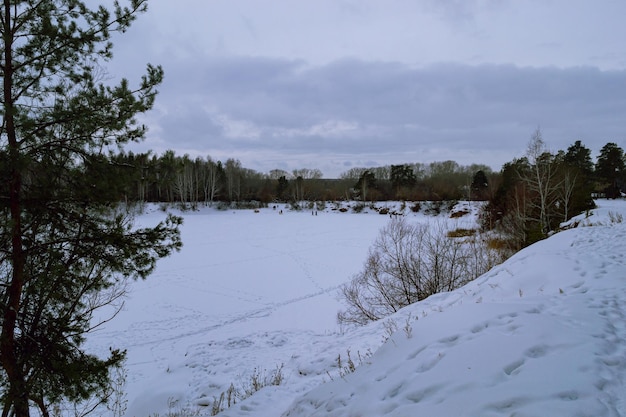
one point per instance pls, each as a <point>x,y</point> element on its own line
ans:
<point>515,221</point>
<point>301,176</point>
<point>211,180</point>
<point>232,170</point>
<point>353,174</point>
<point>541,179</point>
<point>185,180</point>
<point>566,191</point>
<point>276,174</point>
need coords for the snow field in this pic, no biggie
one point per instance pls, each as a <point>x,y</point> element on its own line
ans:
<point>542,334</point>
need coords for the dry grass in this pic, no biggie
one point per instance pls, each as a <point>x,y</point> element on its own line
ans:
<point>457,214</point>
<point>498,244</point>
<point>460,232</point>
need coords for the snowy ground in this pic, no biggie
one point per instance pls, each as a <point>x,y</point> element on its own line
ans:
<point>542,334</point>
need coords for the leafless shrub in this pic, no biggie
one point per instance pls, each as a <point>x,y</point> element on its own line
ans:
<point>347,365</point>
<point>409,262</point>
<point>258,379</point>
<point>408,327</point>
<point>390,327</point>
<point>261,378</point>
<point>615,217</point>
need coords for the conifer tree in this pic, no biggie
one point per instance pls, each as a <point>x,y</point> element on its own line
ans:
<point>610,168</point>
<point>479,185</point>
<point>66,248</point>
<point>577,179</point>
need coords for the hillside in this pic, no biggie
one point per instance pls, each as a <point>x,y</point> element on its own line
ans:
<point>543,334</point>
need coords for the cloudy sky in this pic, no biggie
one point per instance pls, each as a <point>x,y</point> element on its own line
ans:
<point>337,84</point>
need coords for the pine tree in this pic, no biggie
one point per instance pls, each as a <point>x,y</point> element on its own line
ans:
<point>66,248</point>
<point>366,182</point>
<point>402,176</point>
<point>610,168</point>
<point>479,185</point>
<point>577,180</point>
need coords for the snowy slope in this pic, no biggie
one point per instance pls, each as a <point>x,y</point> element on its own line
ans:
<point>542,334</point>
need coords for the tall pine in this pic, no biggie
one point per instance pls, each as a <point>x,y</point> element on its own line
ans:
<point>66,246</point>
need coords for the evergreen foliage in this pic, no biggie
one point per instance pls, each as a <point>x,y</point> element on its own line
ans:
<point>610,169</point>
<point>402,177</point>
<point>365,184</point>
<point>479,185</point>
<point>67,249</point>
<point>578,179</point>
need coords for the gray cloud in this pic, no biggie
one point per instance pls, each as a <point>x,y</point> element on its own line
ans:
<point>331,84</point>
<point>257,109</point>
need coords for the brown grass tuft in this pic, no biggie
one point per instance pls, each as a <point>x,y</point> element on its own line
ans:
<point>461,232</point>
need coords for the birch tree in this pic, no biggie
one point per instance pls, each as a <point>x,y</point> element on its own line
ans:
<point>541,179</point>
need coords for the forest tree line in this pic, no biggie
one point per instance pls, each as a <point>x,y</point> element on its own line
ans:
<point>571,173</point>
<point>529,197</point>
<point>182,179</point>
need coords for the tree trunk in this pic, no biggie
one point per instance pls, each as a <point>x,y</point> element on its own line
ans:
<point>17,394</point>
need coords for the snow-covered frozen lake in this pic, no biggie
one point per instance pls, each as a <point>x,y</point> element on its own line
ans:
<point>542,334</point>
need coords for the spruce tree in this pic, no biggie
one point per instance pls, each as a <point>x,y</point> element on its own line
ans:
<point>66,246</point>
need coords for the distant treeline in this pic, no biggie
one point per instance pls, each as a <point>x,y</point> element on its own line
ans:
<point>173,178</point>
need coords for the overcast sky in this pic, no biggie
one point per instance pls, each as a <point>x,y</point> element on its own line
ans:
<point>337,84</point>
